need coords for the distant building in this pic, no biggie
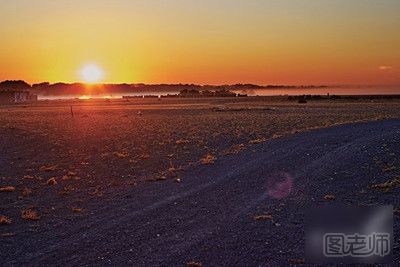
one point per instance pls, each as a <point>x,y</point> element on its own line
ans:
<point>12,92</point>
<point>16,96</point>
<point>207,93</point>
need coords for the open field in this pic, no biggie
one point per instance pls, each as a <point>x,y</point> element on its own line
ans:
<point>119,175</point>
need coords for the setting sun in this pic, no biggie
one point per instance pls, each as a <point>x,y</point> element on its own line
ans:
<point>91,73</point>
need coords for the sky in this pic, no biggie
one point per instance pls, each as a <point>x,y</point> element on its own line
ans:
<point>204,42</point>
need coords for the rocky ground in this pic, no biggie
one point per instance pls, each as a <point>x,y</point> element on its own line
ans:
<point>151,182</point>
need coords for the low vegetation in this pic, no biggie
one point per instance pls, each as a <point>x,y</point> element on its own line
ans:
<point>329,197</point>
<point>30,214</point>
<point>7,188</point>
<point>388,185</point>
<point>263,217</point>
<point>4,220</point>
<point>112,149</point>
<point>208,159</point>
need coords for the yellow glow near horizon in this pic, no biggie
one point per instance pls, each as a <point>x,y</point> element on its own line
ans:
<point>91,73</point>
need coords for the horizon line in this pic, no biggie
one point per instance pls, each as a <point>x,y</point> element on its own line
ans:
<point>206,84</point>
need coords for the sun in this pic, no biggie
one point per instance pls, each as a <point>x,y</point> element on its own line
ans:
<point>91,73</point>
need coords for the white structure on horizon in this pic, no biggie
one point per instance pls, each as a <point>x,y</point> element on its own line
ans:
<point>12,96</point>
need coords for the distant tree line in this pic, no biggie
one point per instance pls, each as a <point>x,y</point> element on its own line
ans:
<point>207,93</point>
<point>46,88</point>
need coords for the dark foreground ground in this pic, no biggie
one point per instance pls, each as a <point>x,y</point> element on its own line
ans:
<point>168,182</point>
<point>210,217</point>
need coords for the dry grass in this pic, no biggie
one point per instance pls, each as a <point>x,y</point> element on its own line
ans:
<point>388,185</point>
<point>52,181</point>
<point>181,141</point>
<point>389,168</point>
<point>160,177</point>
<point>194,264</point>
<point>121,155</point>
<point>76,210</point>
<point>4,220</point>
<point>329,197</point>
<point>7,188</point>
<point>172,169</point>
<point>257,141</point>
<point>235,149</point>
<point>30,214</point>
<point>48,168</point>
<point>70,175</point>
<point>263,217</point>
<point>296,261</point>
<point>208,159</point>
<point>144,156</point>
<point>7,234</point>
<point>26,192</point>
<point>275,136</point>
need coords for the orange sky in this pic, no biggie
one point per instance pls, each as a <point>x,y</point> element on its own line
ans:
<point>205,42</point>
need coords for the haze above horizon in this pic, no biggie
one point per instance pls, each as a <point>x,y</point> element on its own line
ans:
<point>201,42</point>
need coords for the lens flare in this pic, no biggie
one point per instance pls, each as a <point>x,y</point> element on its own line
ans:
<point>279,185</point>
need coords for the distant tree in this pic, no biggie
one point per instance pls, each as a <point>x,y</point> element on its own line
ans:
<point>189,93</point>
<point>40,85</point>
<point>14,85</point>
